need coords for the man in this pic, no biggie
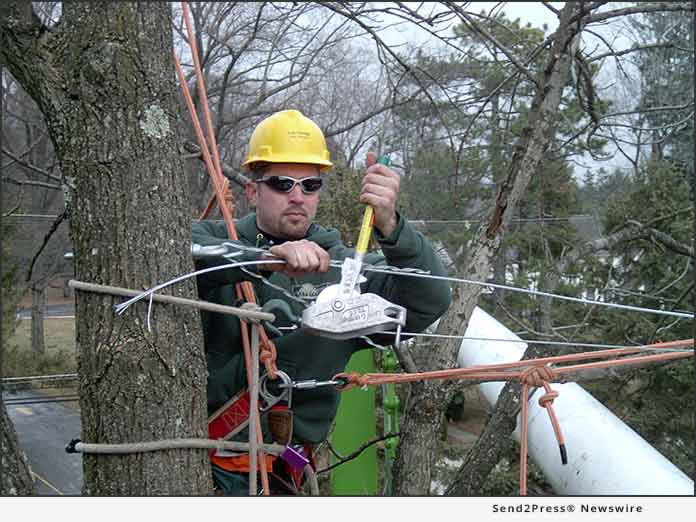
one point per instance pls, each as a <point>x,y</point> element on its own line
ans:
<point>286,158</point>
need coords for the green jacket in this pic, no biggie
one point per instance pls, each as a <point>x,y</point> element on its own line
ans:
<point>303,356</point>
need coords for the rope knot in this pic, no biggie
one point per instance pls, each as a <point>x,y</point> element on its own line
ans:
<point>267,357</point>
<point>546,400</point>
<point>537,375</point>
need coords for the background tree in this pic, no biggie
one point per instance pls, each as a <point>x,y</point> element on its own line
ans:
<point>15,476</point>
<point>33,201</point>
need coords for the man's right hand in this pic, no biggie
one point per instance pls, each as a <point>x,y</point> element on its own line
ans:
<point>302,257</point>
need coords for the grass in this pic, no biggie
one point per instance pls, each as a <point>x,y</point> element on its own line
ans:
<point>59,357</point>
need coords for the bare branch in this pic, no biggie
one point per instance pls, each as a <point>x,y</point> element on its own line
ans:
<point>640,8</point>
<point>229,172</point>
<point>663,45</point>
<point>46,238</point>
<point>664,239</point>
<point>20,29</point>
<point>551,8</point>
<point>8,179</point>
<point>30,166</point>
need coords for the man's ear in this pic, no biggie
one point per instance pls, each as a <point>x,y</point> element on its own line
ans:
<point>251,192</point>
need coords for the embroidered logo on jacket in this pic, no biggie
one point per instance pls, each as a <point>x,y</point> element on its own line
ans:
<point>308,290</point>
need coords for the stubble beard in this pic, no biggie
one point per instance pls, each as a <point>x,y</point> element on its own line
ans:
<point>293,229</point>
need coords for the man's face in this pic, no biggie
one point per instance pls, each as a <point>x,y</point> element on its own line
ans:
<point>285,215</point>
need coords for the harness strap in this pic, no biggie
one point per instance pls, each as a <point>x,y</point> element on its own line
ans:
<point>231,418</point>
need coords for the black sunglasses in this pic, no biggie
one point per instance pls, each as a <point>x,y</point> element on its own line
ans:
<point>286,184</point>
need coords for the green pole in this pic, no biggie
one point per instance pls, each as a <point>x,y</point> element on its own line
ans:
<point>390,402</point>
<point>355,425</point>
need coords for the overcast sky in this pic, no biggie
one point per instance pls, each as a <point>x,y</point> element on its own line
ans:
<point>537,15</point>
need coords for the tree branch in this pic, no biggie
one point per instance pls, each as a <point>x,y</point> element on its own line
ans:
<point>640,8</point>
<point>46,238</point>
<point>664,239</point>
<point>8,179</point>
<point>30,166</point>
<point>20,29</point>
<point>665,45</point>
<point>229,172</point>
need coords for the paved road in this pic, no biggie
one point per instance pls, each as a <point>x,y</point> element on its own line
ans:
<point>43,430</point>
<point>56,310</point>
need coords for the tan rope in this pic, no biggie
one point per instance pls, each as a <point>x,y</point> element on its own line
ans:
<point>242,313</point>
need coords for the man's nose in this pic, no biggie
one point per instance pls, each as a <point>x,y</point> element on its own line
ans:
<point>296,193</point>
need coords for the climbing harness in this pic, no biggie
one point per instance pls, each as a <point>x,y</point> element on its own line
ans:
<point>233,416</point>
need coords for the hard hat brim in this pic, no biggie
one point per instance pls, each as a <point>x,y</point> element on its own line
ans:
<point>323,164</point>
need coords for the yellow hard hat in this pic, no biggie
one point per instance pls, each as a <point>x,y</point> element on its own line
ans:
<point>288,137</point>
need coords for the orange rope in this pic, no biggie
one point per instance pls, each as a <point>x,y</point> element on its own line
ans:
<point>534,372</point>
<point>224,200</point>
<point>523,439</point>
<point>537,376</point>
<point>220,188</point>
<point>492,372</point>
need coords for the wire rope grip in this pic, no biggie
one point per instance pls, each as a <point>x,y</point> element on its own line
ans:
<point>342,312</point>
<point>358,315</point>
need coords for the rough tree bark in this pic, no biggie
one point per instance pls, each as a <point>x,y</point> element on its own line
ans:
<point>104,80</point>
<point>15,477</point>
<point>426,402</point>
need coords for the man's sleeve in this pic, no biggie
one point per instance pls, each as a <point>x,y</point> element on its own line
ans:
<point>208,233</point>
<point>424,299</point>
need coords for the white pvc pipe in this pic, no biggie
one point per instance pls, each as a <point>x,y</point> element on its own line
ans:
<point>605,456</point>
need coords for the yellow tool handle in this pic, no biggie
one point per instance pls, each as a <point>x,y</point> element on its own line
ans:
<point>369,215</point>
<point>365,230</point>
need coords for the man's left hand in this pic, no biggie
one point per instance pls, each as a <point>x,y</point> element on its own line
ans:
<point>380,188</point>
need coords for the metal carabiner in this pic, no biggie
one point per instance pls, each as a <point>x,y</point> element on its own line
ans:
<point>309,384</point>
<point>268,397</point>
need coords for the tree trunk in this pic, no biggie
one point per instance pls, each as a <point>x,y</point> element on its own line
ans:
<point>413,468</point>
<point>38,308</point>
<point>495,439</point>
<point>15,477</point>
<point>498,175</point>
<point>104,80</point>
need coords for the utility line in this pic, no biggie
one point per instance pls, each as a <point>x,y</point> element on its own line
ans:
<point>414,273</point>
<point>425,222</point>
<point>526,341</point>
<point>407,272</point>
